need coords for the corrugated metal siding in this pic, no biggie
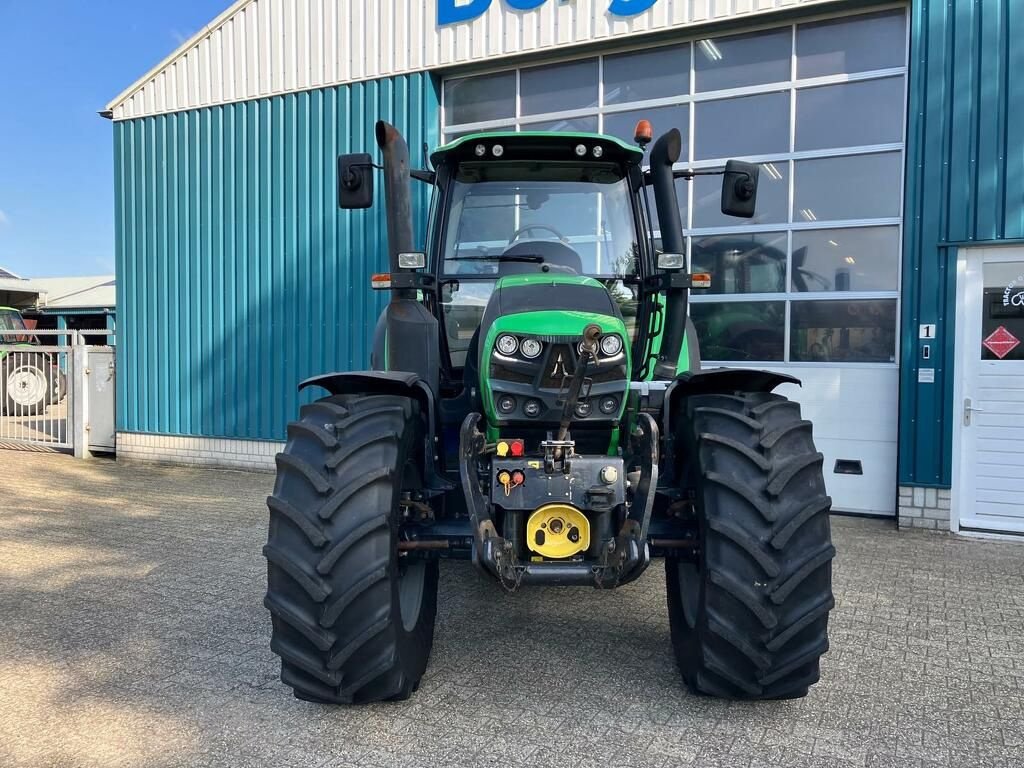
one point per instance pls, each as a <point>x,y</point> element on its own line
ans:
<point>237,274</point>
<point>266,47</point>
<point>965,183</point>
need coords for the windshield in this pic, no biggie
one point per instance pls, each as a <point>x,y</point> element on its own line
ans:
<point>11,320</point>
<point>507,219</point>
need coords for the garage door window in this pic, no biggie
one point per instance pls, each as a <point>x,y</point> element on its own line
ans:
<point>814,276</point>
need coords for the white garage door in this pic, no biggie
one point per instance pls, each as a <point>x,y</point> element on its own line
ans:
<point>810,285</point>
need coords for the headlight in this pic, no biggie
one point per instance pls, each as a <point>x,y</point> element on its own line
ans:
<point>532,408</point>
<point>506,403</point>
<point>531,348</point>
<point>611,345</point>
<point>507,344</point>
<point>609,404</point>
<point>583,409</point>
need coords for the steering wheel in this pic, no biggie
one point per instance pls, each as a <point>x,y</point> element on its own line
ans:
<point>530,227</point>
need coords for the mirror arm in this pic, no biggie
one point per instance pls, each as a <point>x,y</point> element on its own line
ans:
<point>427,177</point>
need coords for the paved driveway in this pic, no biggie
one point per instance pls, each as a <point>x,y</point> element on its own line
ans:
<point>132,634</point>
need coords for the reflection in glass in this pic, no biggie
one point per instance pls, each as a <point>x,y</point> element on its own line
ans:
<point>860,331</point>
<point>749,125</point>
<point>462,305</point>
<point>480,98</point>
<point>740,330</point>
<point>850,114</point>
<point>586,124</point>
<point>623,124</point>
<point>853,44</point>
<point>853,187</point>
<point>742,263</point>
<point>558,87</point>
<point>772,199</point>
<point>651,74</point>
<point>733,62</point>
<point>856,259</point>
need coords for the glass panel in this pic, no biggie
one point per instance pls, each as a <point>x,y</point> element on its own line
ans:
<point>855,187</point>
<point>557,88</point>
<point>858,259</point>
<point>574,124</point>
<point>1002,311</point>
<point>462,305</point>
<point>742,263</point>
<point>772,199</point>
<point>476,99</point>
<point>623,124</point>
<point>859,331</point>
<point>854,44</point>
<point>750,125</point>
<point>740,330</point>
<point>733,62</point>
<point>850,114</point>
<point>653,74</point>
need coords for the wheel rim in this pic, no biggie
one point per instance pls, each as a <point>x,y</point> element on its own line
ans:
<point>411,581</point>
<point>26,385</point>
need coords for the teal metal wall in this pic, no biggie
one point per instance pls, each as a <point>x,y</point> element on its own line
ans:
<point>965,185</point>
<point>237,275</point>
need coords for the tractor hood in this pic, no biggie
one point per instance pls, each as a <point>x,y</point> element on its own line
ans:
<point>529,338</point>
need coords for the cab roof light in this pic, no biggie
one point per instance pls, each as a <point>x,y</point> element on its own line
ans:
<point>644,133</point>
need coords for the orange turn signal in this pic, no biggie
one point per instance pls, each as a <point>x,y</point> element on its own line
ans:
<point>700,280</point>
<point>381,281</point>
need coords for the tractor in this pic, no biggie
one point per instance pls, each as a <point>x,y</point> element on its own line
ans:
<point>536,404</point>
<point>29,380</point>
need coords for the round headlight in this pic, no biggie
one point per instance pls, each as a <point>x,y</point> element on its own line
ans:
<point>532,408</point>
<point>611,345</point>
<point>583,409</point>
<point>581,150</point>
<point>480,150</point>
<point>498,150</point>
<point>609,405</point>
<point>507,344</point>
<point>598,151</point>
<point>530,348</point>
<point>506,403</point>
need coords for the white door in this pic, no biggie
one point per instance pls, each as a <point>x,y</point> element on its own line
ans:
<point>988,437</point>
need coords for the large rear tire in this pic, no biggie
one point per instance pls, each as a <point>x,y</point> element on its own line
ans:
<point>24,383</point>
<point>353,621</point>
<point>749,614</point>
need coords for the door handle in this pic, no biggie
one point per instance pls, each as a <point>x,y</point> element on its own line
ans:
<point>968,410</point>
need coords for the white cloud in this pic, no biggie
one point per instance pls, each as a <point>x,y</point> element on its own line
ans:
<point>180,37</point>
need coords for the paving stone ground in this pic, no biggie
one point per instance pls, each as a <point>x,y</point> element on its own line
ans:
<point>132,634</point>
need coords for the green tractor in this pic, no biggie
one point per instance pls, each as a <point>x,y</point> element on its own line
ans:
<point>536,405</point>
<point>30,380</point>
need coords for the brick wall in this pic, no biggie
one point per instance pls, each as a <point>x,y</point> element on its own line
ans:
<point>925,508</point>
<point>207,451</point>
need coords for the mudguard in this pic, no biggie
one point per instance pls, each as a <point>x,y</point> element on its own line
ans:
<point>401,383</point>
<point>710,381</point>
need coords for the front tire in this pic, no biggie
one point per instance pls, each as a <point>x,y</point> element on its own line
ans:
<point>749,614</point>
<point>353,621</point>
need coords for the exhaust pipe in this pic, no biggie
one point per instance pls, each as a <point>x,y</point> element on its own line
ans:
<point>664,155</point>
<point>397,199</point>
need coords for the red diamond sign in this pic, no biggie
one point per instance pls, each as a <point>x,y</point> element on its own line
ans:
<point>1001,342</point>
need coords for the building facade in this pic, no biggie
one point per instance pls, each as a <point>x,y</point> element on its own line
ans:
<point>891,206</point>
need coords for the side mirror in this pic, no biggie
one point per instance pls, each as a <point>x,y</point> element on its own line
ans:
<point>355,181</point>
<point>739,189</point>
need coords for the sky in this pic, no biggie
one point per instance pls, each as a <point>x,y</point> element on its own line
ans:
<point>61,62</point>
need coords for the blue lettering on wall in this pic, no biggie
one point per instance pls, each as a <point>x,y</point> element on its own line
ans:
<point>629,7</point>
<point>454,11</point>
<point>450,13</point>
